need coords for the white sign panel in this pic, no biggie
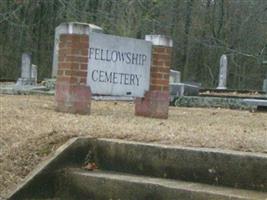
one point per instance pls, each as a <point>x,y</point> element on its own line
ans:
<point>118,65</point>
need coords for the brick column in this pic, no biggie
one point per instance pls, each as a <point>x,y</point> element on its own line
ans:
<point>72,94</point>
<point>155,103</point>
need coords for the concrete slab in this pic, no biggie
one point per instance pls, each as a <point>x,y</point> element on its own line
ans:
<point>259,104</point>
<point>256,102</point>
<point>14,89</point>
<point>211,102</point>
<point>182,89</point>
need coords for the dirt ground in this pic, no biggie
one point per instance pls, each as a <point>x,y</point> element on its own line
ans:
<point>30,130</point>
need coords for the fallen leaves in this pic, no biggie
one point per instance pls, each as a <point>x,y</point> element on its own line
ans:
<point>90,166</point>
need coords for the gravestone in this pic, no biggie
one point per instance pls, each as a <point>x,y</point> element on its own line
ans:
<point>26,71</point>
<point>26,66</point>
<point>181,89</point>
<point>70,28</point>
<point>223,73</point>
<point>175,76</point>
<point>264,87</point>
<point>34,74</point>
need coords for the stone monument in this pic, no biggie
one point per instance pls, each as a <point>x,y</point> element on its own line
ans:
<point>28,71</point>
<point>34,74</point>
<point>264,87</point>
<point>223,73</point>
<point>175,76</point>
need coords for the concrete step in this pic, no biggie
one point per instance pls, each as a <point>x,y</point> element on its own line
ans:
<point>224,168</point>
<point>132,170</point>
<point>82,184</point>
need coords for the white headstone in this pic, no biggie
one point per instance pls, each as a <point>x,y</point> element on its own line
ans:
<point>118,65</point>
<point>26,71</point>
<point>26,66</point>
<point>34,74</point>
<point>175,76</point>
<point>70,28</point>
<point>264,87</point>
<point>223,73</point>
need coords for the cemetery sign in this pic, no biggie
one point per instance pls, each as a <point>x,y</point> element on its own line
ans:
<point>118,65</point>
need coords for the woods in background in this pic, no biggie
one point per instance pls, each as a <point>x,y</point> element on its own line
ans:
<point>202,30</point>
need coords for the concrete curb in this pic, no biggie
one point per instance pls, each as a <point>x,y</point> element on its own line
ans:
<point>241,170</point>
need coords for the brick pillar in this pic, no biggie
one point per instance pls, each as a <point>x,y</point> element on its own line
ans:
<point>155,103</point>
<point>72,94</point>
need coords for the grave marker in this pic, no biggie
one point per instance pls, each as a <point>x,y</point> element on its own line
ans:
<point>264,87</point>
<point>175,76</point>
<point>34,74</point>
<point>28,71</point>
<point>26,65</point>
<point>223,73</point>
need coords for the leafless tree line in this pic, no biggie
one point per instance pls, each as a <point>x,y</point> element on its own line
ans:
<point>202,30</point>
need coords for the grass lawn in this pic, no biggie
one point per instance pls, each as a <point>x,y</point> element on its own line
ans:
<point>30,129</point>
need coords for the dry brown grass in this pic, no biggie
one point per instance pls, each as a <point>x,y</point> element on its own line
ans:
<point>30,129</point>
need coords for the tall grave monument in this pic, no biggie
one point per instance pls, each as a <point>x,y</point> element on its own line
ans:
<point>223,73</point>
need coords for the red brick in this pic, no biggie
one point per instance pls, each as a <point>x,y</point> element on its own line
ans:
<point>165,88</point>
<point>62,45</point>
<point>167,63</point>
<point>84,52</point>
<point>68,72</point>
<point>155,104</point>
<point>83,80</point>
<point>83,67</point>
<point>73,52</point>
<point>61,57</point>
<point>156,75</point>
<point>166,76</point>
<point>158,62</point>
<point>159,49</point>
<point>60,72</point>
<point>82,45</point>
<point>71,93</point>
<point>70,37</point>
<point>69,79</point>
<point>68,65</point>
<point>73,99</point>
<point>160,82</point>
<point>84,39</point>
<point>155,87</point>
<point>157,69</point>
<point>79,73</point>
<point>80,59</point>
<point>164,57</point>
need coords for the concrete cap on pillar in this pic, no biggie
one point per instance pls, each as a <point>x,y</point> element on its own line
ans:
<point>71,28</point>
<point>78,28</point>
<point>159,40</point>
